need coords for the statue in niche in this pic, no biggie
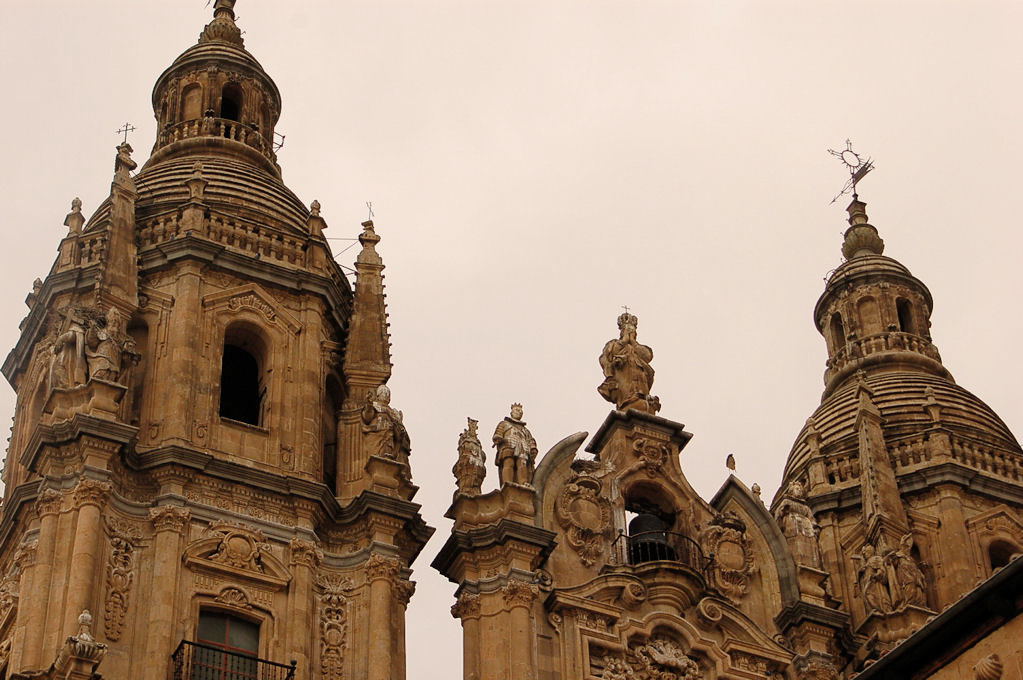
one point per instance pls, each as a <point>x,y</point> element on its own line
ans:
<point>67,365</point>
<point>105,347</point>
<point>516,449</point>
<point>628,375</point>
<point>798,525</point>
<point>872,576</point>
<point>470,469</point>
<point>382,426</point>
<point>908,581</point>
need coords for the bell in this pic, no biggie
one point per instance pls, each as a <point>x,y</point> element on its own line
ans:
<point>648,540</point>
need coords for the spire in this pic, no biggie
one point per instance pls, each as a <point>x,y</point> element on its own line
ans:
<point>223,28</point>
<point>368,357</point>
<point>861,238</point>
<point>119,275</point>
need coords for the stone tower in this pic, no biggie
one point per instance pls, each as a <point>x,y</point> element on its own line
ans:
<point>916,485</point>
<point>205,473</point>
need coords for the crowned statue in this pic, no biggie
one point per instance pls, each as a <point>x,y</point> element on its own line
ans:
<point>516,449</point>
<point>628,375</point>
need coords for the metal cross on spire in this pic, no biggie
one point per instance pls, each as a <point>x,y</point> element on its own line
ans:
<point>369,207</point>
<point>626,308</point>
<point>128,127</point>
<point>857,166</point>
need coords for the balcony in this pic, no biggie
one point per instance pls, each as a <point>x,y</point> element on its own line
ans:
<point>655,546</point>
<point>217,127</point>
<point>196,661</point>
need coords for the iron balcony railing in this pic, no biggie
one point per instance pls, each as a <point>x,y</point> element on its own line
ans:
<point>197,661</point>
<point>653,546</point>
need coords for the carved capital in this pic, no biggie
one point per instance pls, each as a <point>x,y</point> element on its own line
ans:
<point>49,502</point>
<point>519,594</point>
<point>404,590</point>
<point>305,553</point>
<point>816,666</point>
<point>467,606</point>
<point>91,492</point>
<point>169,518</point>
<point>380,567</point>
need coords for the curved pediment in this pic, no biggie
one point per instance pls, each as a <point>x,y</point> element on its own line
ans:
<point>238,551</point>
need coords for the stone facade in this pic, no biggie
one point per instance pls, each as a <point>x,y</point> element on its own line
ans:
<point>189,442</point>
<point>204,437</point>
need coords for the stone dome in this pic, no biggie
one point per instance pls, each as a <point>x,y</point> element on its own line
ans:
<point>234,186</point>
<point>901,397</point>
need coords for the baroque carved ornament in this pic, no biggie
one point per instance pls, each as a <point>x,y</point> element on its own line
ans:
<point>120,578</point>
<point>658,659</point>
<point>585,515</point>
<point>333,624</point>
<point>726,543</point>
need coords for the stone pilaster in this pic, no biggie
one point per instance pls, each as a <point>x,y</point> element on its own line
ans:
<point>381,573</point>
<point>89,497</point>
<point>169,525</point>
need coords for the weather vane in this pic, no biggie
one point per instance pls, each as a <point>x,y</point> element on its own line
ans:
<point>855,164</point>
<point>128,127</point>
<point>369,207</point>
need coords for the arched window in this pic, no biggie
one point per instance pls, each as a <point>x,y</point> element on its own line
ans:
<point>231,102</point>
<point>905,311</point>
<point>331,404</point>
<point>242,384</point>
<point>229,647</point>
<point>837,332</point>
<point>191,102</point>
<point>1001,553</point>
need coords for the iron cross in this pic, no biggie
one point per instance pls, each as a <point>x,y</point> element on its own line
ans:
<point>128,127</point>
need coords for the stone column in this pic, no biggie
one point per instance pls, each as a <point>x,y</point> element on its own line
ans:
<point>381,572</point>
<point>957,576</point>
<point>169,523</point>
<point>467,608</point>
<point>89,497</point>
<point>305,558</point>
<point>518,598</point>
<point>185,341</point>
<point>47,506</point>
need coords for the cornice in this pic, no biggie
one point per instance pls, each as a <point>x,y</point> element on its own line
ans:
<point>496,534</point>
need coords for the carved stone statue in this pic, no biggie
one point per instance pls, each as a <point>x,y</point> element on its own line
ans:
<point>104,345</point>
<point>124,165</point>
<point>628,375</point>
<point>382,426</point>
<point>67,366</point>
<point>908,583</point>
<point>470,469</point>
<point>800,528</point>
<point>516,449</point>
<point>873,580</point>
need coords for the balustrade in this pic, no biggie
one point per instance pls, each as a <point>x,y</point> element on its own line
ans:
<point>218,127</point>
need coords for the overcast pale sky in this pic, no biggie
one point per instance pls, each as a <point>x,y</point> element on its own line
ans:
<point>535,165</point>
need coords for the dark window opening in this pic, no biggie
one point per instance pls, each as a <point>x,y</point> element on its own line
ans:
<point>231,102</point>
<point>837,332</point>
<point>905,311</point>
<point>232,645</point>
<point>331,404</point>
<point>241,390</point>
<point>1001,553</point>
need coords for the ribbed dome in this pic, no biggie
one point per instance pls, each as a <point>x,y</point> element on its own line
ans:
<point>234,187</point>
<point>901,398</point>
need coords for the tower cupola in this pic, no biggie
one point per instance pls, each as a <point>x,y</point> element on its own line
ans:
<point>217,96</point>
<point>874,314</point>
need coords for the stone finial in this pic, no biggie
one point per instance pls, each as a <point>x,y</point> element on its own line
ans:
<point>628,375</point>
<point>931,404</point>
<point>85,626</point>
<point>75,219</point>
<point>223,28</point>
<point>369,239</point>
<point>196,183</point>
<point>730,462</point>
<point>861,238</point>
<point>315,223</point>
<point>314,208</point>
<point>757,491</point>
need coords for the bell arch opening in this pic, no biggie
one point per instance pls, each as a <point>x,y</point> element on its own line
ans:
<point>231,99</point>
<point>1000,553</point>
<point>242,375</point>
<point>905,312</point>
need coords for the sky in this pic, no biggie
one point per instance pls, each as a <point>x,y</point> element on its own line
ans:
<point>536,165</point>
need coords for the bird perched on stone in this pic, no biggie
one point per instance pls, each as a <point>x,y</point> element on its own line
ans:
<point>730,462</point>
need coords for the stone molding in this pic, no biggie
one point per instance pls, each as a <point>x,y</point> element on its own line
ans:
<point>169,518</point>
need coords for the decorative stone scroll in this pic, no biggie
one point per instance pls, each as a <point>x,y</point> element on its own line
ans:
<point>333,624</point>
<point>652,452</point>
<point>238,551</point>
<point>585,515</point>
<point>731,567</point>
<point>381,567</point>
<point>658,659</point>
